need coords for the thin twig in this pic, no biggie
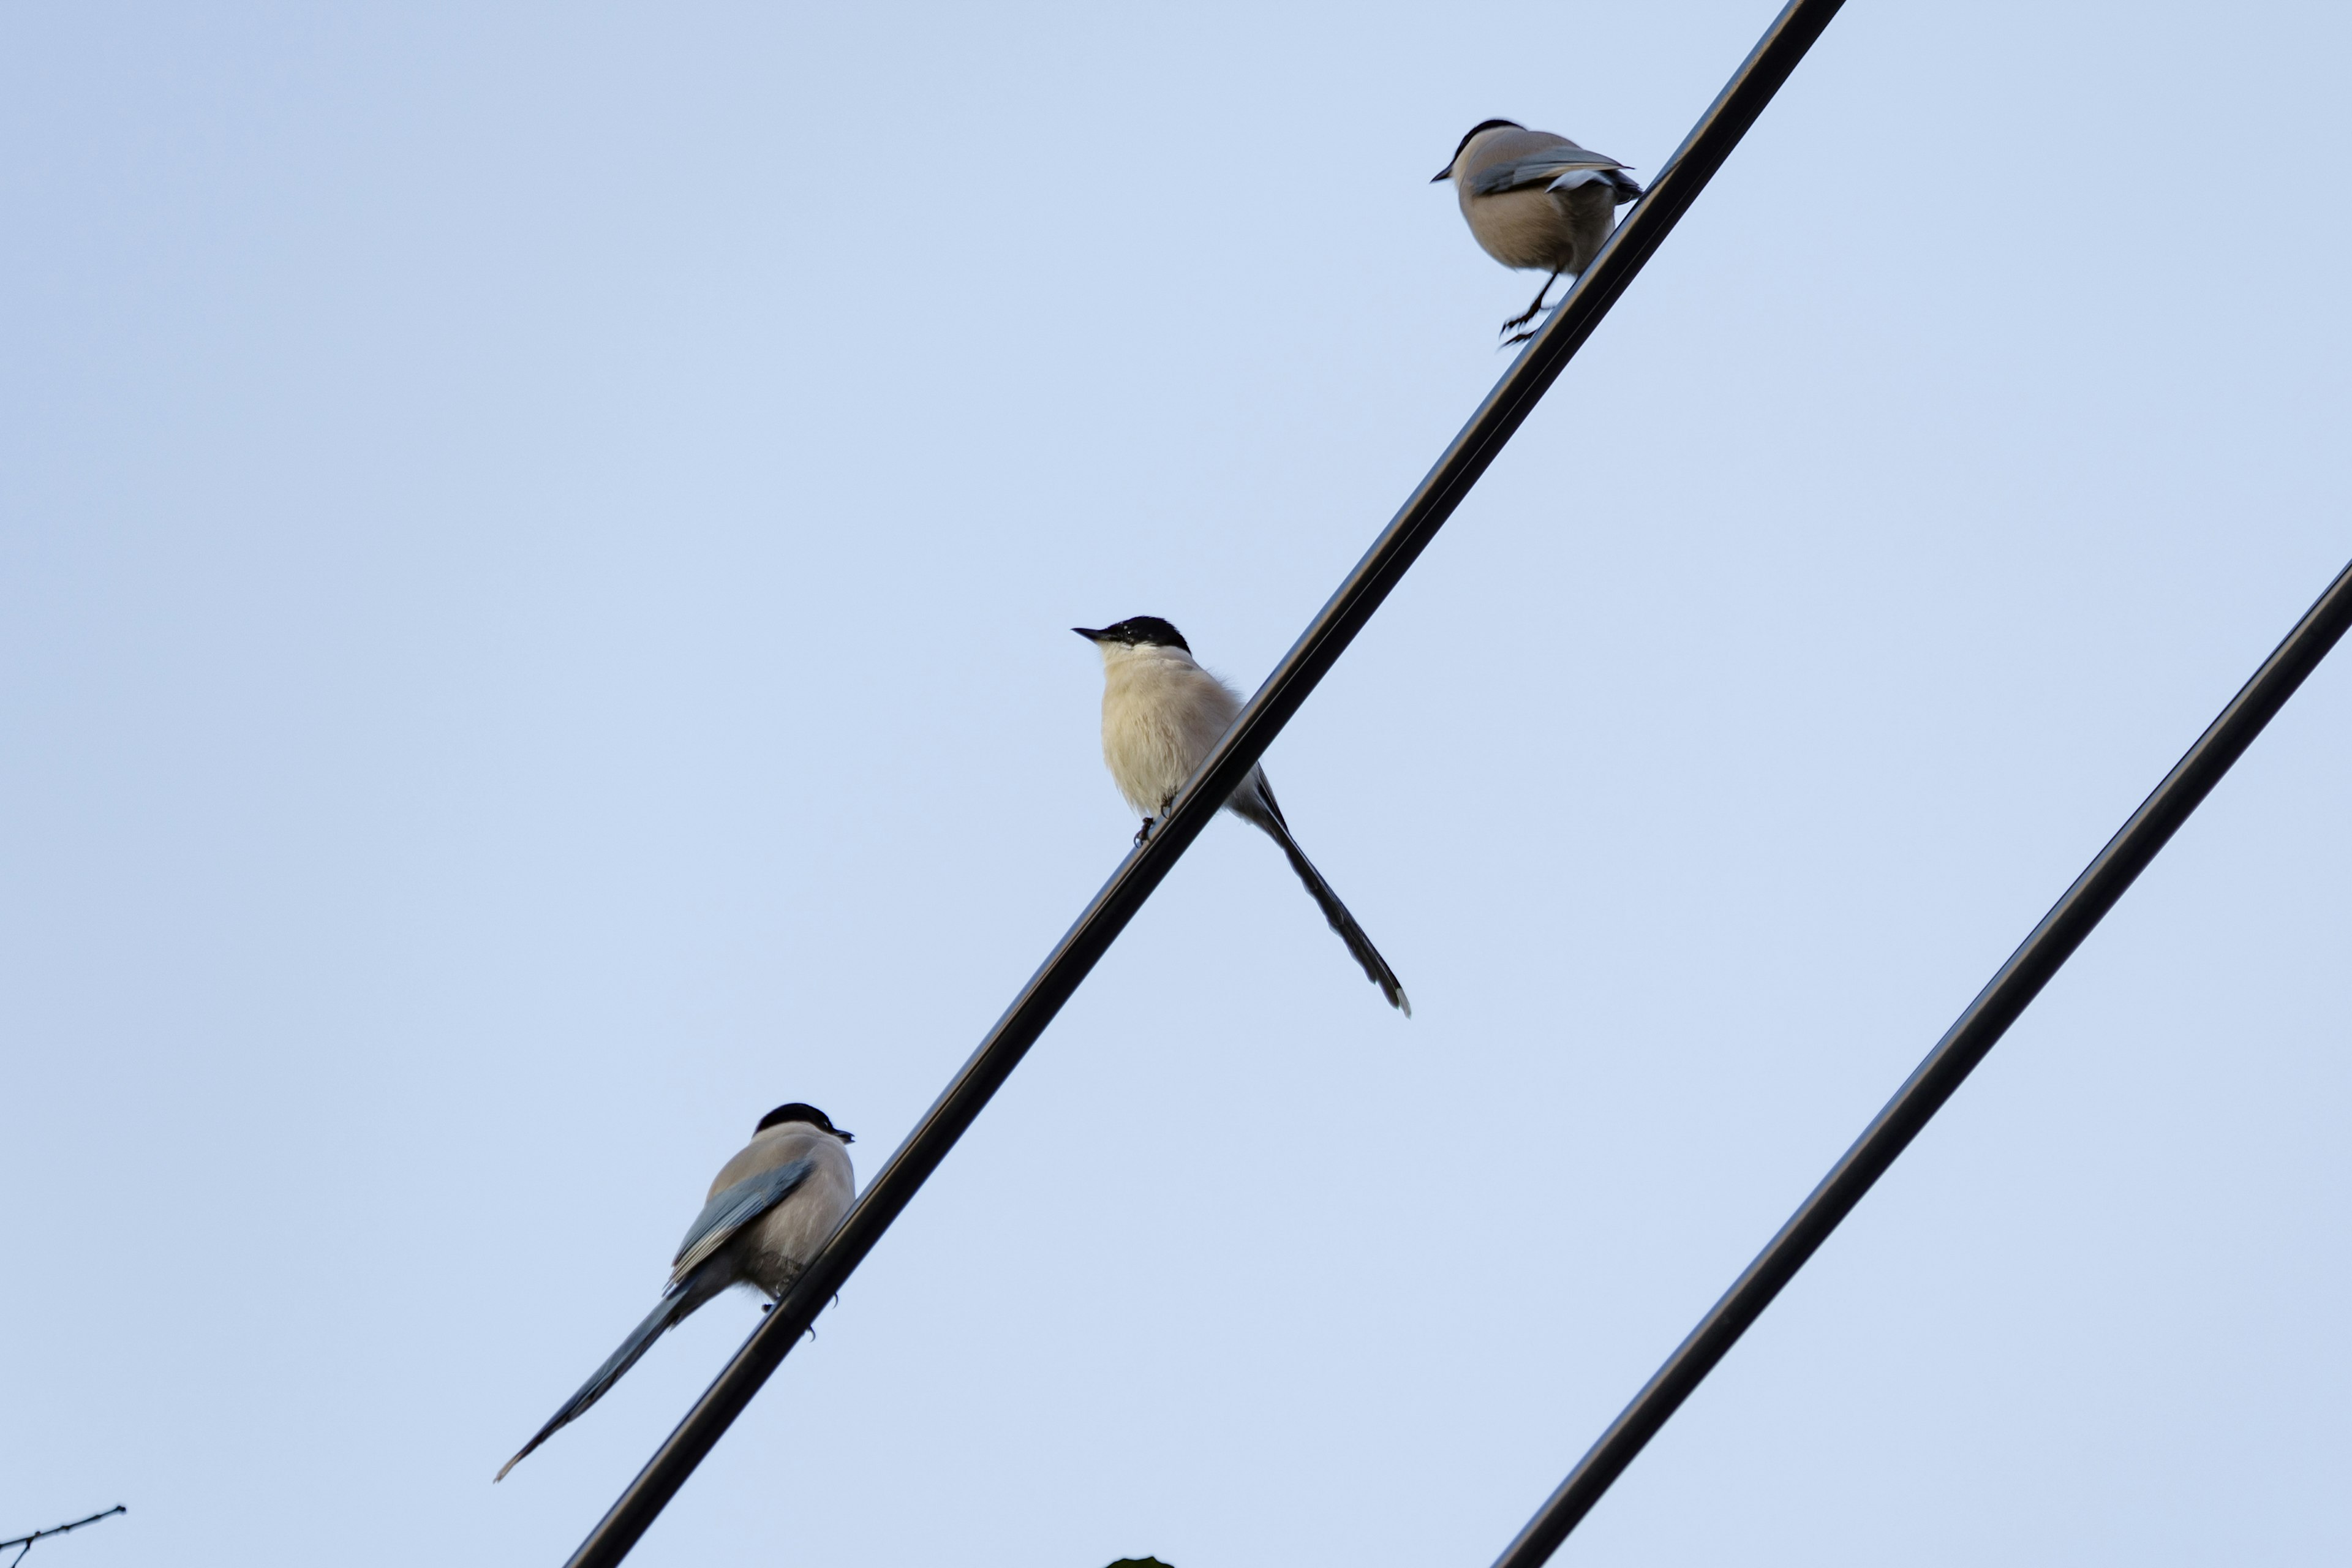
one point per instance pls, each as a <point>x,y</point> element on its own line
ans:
<point>25,1542</point>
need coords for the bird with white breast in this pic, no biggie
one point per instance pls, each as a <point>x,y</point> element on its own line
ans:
<point>1162,714</point>
<point>770,1209</point>
<point>1534,200</point>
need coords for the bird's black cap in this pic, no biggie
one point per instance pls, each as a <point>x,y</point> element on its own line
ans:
<point>796,1111</point>
<point>1137,631</point>
<point>1482,125</point>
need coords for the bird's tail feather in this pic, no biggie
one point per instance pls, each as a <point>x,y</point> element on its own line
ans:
<point>1268,815</point>
<point>671,1309</point>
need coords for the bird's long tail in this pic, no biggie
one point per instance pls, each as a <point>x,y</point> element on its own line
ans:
<point>673,1307</point>
<point>1254,802</point>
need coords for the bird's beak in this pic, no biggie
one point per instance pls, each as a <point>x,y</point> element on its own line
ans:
<point>1444,173</point>
<point>844,1137</point>
<point>1089,636</point>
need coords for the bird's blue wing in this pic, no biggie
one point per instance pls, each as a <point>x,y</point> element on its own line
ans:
<point>1552,166</point>
<point>731,1209</point>
<point>726,1212</point>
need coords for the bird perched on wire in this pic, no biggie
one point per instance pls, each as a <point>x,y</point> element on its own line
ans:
<point>1536,200</point>
<point>770,1208</point>
<point>1162,713</point>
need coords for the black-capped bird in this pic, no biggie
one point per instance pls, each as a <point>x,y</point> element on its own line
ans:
<point>770,1209</point>
<point>1536,200</point>
<point>1162,714</point>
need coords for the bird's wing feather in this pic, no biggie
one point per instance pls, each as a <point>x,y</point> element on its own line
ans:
<point>1548,166</point>
<point>1622,186</point>
<point>731,1209</point>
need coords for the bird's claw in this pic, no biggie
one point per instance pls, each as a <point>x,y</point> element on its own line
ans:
<point>1523,321</point>
<point>1531,312</point>
<point>1143,834</point>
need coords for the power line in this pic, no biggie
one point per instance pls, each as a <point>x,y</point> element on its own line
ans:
<point>1964,1045</point>
<point>1425,510</point>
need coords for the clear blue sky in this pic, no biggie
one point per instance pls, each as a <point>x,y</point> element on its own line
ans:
<point>535,548</point>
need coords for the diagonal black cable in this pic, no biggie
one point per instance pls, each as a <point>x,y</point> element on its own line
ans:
<point>1964,1045</point>
<point>1393,553</point>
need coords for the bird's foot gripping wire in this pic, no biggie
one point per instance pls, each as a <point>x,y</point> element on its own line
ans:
<point>1527,315</point>
<point>1521,337</point>
<point>1143,834</point>
<point>811,1328</point>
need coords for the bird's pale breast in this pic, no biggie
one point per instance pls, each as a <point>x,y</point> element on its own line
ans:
<point>1527,229</point>
<point>1160,717</point>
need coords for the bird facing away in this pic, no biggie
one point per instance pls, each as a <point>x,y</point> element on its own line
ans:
<point>1162,714</point>
<point>1536,200</point>
<point>770,1208</point>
